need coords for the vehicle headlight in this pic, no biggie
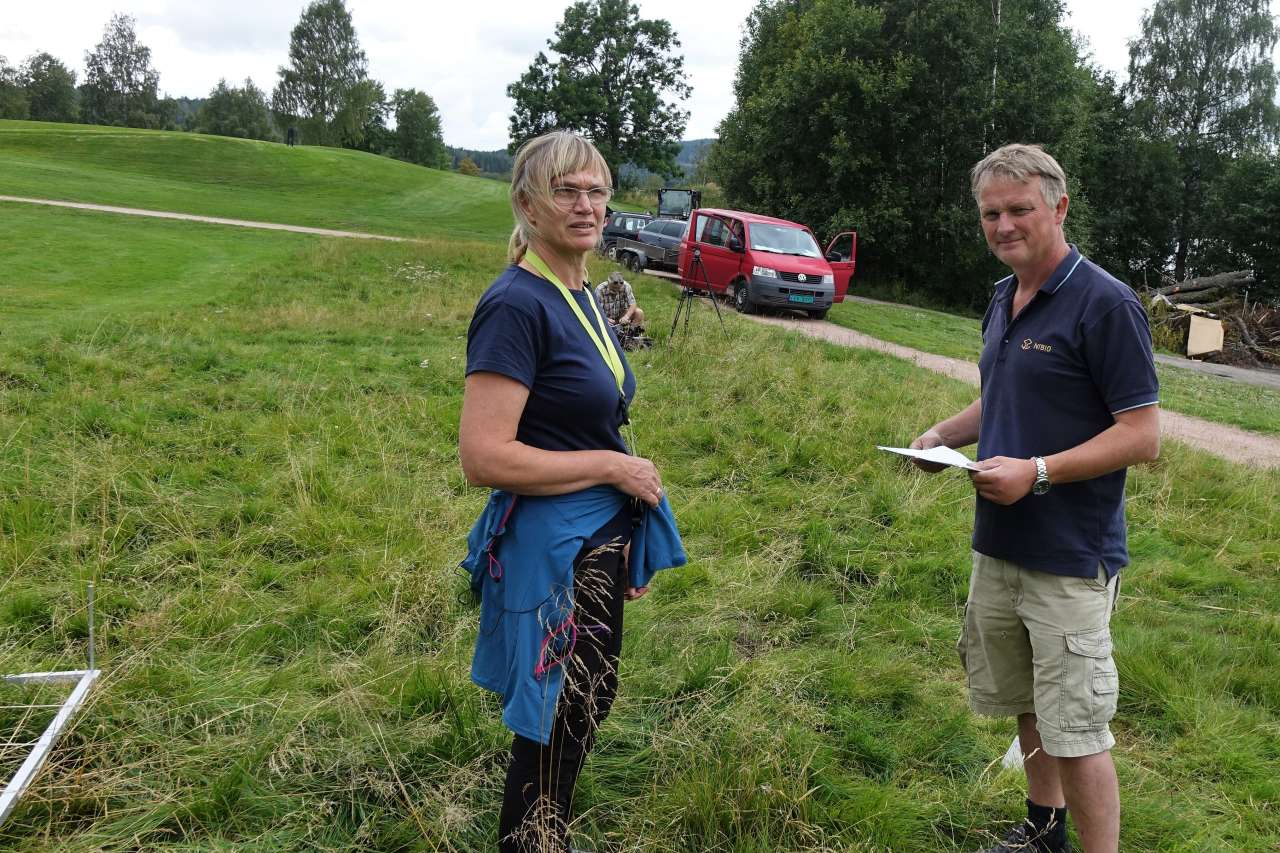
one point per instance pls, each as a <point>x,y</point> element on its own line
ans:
<point>764,272</point>
<point>828,279</point>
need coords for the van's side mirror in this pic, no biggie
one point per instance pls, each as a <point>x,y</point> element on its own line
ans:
<point>735,245</point>
<point>834,257</point>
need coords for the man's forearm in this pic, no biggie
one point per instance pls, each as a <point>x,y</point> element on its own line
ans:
<point>961,429</point>
<point>1133,438</point>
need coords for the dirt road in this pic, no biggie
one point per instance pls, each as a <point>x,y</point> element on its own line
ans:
<point>213,220</point>
<point>1227,442</point>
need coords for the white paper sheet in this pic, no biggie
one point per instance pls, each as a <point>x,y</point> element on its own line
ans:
<point>940,455</point>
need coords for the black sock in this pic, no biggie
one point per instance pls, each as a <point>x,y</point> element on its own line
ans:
<point>1049,824</point>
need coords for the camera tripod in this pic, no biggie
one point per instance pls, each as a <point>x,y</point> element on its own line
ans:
<point>688,295</point>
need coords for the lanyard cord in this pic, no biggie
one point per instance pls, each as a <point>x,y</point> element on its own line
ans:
<point>605,347</point>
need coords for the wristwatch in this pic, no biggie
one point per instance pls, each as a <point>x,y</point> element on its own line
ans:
<point>1042,476</point>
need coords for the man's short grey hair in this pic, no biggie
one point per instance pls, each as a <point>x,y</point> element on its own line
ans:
<point>1020,163</point>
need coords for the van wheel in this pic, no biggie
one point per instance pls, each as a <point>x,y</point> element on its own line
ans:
<point>818,315</point>
<point>742,300</point>
<point>634,263</point>
<point>611,251</point>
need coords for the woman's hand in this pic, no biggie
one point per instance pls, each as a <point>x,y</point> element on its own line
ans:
<point>638,477</point>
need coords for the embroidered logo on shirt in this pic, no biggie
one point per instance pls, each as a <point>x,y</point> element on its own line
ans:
<point>1030,344</point>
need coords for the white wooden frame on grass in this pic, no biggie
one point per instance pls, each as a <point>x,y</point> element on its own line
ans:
<point>41,749</point>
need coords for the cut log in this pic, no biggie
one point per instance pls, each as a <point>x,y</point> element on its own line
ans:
<point>1234,280</point>
<point>1199,297</point>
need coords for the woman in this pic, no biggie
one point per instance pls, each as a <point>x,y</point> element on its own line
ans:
<point>547,394</point>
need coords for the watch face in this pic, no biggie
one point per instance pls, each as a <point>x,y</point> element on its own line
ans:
<point>1040,487</point>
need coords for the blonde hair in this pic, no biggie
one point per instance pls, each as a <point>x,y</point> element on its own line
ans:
<point>1020,163</point>
<point>539,162</point>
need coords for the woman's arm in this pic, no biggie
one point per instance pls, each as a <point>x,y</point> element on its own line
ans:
<point>491,456</point>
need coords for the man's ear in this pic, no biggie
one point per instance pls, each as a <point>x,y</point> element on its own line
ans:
<point>1060,211</point>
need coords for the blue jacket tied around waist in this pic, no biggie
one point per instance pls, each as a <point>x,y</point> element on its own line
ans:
<point>520,558</point>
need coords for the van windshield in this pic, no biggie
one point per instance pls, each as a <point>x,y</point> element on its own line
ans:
<point>783,240</point>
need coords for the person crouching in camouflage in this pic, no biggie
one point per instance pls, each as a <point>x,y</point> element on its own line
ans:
<point>618,303</point>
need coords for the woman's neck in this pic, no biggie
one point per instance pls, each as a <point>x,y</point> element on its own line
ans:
<point>571,269</point>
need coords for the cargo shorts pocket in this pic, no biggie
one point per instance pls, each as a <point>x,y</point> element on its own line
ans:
<point>1090,684</point>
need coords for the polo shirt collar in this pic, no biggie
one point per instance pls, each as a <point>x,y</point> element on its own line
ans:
<point>1060,274</point>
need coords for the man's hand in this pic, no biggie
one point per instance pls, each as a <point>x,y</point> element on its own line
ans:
<point>1004,480</point>
<point>929,438</point>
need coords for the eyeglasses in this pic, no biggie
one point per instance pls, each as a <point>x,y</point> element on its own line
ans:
<point>567,197</point>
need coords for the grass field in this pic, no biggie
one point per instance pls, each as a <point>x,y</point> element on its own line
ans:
<point>1248,406</point>
<point>246,179</point>
<point>249,441</point>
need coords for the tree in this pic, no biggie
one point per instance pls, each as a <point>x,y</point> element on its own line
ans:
<point>325,62</point>
<point>870,117</point>
<point>13,98</point>
<point>1200,77</point>
<point>467,166</point>
<point>609,83</point>
<point>242,112</point>
<point>419,138</point>
<point>120,86</point>
<point>1128,179</point>
<point>361,120</point>
<point>51,88</point>
<point>1244,208</point>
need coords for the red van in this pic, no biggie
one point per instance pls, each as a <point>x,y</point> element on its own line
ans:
<point>761,261</point>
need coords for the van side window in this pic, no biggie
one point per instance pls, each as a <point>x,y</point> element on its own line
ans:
<point>843,246</point>
<point>714,233</point>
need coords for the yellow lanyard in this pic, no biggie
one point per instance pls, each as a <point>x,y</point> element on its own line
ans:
<point>606,348</point>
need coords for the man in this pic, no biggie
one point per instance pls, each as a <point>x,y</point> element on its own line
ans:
<point>1068,401</point>
<point>618,303</point>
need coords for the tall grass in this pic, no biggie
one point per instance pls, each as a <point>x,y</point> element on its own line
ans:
<point>260,474</point>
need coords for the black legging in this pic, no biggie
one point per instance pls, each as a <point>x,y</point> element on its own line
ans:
<point>539,792</point>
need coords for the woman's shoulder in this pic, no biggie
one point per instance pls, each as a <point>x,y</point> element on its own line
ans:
<point>515,288</point>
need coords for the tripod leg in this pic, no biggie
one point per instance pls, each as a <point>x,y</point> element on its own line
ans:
<point>715,303</point>
<point>675,321</point>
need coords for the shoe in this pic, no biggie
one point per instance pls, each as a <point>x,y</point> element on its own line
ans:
<point>1020,840</point>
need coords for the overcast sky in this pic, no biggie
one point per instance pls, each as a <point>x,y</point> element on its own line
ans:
<point>462,55</point>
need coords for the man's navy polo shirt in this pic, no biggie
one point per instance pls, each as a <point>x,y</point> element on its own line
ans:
<point>1053,378</point>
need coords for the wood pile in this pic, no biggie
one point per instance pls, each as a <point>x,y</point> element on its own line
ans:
<point>1252,330</point>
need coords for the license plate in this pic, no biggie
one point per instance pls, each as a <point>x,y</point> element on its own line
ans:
<point>795,297</point>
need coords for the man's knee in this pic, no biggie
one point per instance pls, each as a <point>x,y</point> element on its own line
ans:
<point>638,317</point>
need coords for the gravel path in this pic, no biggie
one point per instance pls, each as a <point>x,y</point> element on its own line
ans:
<point>1227,442</point>
<point>214,220</point>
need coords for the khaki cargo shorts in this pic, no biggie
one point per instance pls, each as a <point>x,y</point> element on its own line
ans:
<point>1038,643</point>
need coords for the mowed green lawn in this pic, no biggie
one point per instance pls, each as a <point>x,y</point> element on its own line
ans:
<point>1251,407</point>
<point>252,451</point>
<point>246,179</point>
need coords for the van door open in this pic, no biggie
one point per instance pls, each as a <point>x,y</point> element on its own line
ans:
<point>842,254</point>
<point>709,237</point>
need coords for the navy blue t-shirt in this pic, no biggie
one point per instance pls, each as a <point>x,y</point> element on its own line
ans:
<point>524,329</point>
<point>1054,377</point>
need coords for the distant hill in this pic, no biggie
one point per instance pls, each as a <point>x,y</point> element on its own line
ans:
<point>498,163</point>
<point>491,163</point>
<point>246,179</point>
